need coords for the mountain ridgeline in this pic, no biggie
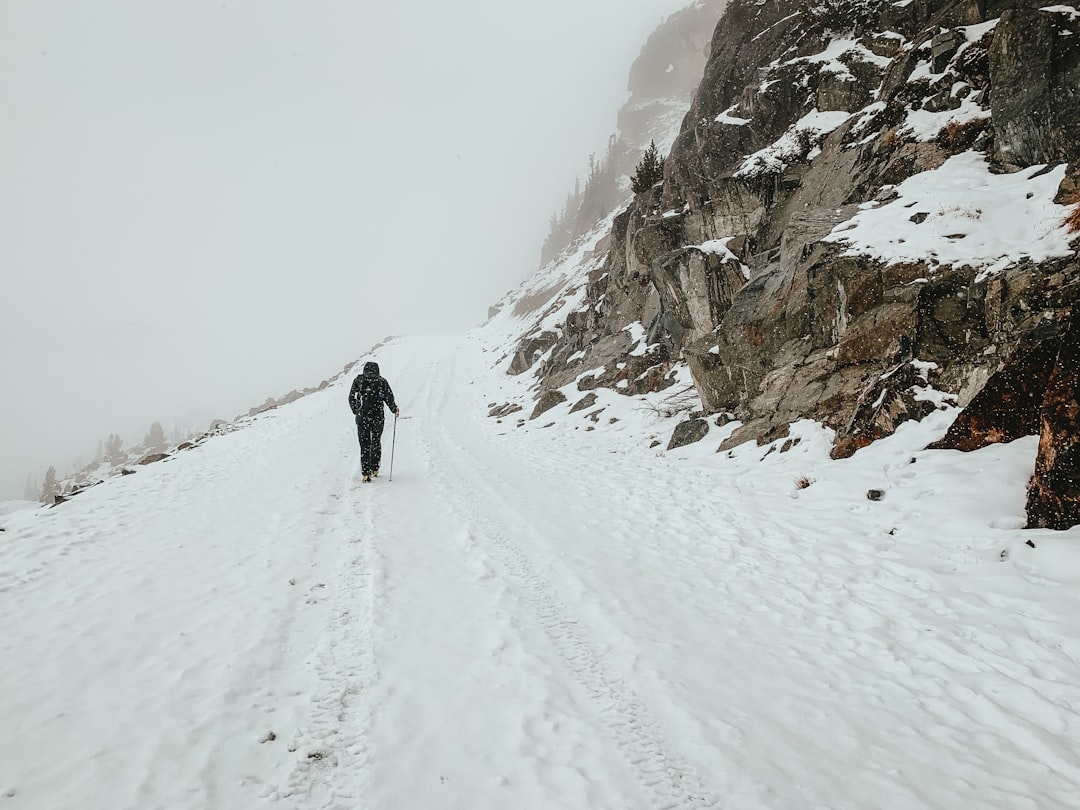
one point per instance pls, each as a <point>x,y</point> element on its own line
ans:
<point>824,243</point>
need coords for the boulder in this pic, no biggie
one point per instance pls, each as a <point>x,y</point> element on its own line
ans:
<point>292,396</point>
<point>504,410</point>
<point>529,350</point>
<point>548,400</point>
<point>688,432</point>
<point>586,401</point>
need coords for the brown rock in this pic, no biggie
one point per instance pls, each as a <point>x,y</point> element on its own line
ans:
<point>547,401</point>
<point>505,409</point>
<point>1008,406</point>
<point>1054,493</point>
<point>1068,192</point>
<point>586,401</point>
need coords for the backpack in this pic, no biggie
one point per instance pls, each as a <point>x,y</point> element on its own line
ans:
<point>370,394</point>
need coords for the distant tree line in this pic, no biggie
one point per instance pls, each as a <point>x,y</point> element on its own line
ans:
<point>110,453</point>
<point>604,190</point>
<point>585,205</point>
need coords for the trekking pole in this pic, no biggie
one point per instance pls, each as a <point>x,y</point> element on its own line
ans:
<point>393,441</point>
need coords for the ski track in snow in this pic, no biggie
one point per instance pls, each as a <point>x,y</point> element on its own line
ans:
<point>672,782</point>
<point>346,670</point>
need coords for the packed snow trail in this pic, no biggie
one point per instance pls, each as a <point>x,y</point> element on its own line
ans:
<point>484,687</point>
<point>537,616</point>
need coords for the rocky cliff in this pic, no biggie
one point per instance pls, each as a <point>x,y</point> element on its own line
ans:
<point>662,83</point>
<point>870,210</point>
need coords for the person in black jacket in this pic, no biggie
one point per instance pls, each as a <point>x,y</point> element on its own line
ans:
<point>366,398</point>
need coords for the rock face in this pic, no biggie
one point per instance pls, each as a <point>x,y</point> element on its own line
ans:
<point>901,393</point>
<point>1009,405</point>
<point>808,115</point>
<point>662,81</point>
<point>1035,62</point>
<point>1054,494</point>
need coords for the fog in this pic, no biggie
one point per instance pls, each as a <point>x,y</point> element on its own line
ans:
<point>205,204</point>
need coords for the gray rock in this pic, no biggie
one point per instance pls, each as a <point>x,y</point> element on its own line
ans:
<point>586,401</point>
<point>1035,80</point>
<point>504,410</point>
<point>529,351</point>
<point>548,400</point>
<point>688,432</point>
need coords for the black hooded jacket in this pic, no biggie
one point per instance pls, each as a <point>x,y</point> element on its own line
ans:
<point>368,393</point>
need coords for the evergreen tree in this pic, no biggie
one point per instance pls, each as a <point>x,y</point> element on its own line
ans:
<point>32,492</point>
<point>155,439</point>
<point>114,453</point>
<point>649,172</point>
<point>48,489</point>
<point>601,193</point>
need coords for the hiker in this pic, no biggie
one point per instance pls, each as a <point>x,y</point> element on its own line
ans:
<point>369,392</point>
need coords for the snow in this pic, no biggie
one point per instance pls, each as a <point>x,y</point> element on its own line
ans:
<point>969,216</point>
<point>720,248</point>
<point>11,507</point>
<point>830,61</point>
<point>925,125</point>
<point>1071,11</point>
<point>791,146</point>
<point>727,118</point>
<point>971,33</point>
<point>637,339</point>
<point>974,33</point>
<point>539,616</point>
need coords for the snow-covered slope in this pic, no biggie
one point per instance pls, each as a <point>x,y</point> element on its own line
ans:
<point>550,615</point>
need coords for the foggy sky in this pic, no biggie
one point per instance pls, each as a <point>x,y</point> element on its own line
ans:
<point>204,204</point>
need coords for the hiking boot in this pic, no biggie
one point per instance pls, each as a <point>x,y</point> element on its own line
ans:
<point>366,478</point>
<point>376,473</point>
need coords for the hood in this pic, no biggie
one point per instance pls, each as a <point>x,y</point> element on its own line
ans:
<point>371,369</point>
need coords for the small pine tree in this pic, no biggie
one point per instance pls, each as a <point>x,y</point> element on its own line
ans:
<point>649,172</point>
<point>32,492</point>
<point>155,439</point>
<point>114,453</point>
<point>48,489</point>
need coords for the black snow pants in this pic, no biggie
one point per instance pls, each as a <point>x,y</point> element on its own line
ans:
<point>370,428</point>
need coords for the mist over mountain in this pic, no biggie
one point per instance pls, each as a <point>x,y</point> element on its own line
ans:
<point>762,492</point>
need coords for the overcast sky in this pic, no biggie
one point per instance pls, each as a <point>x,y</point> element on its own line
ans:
<point>204,204</point>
